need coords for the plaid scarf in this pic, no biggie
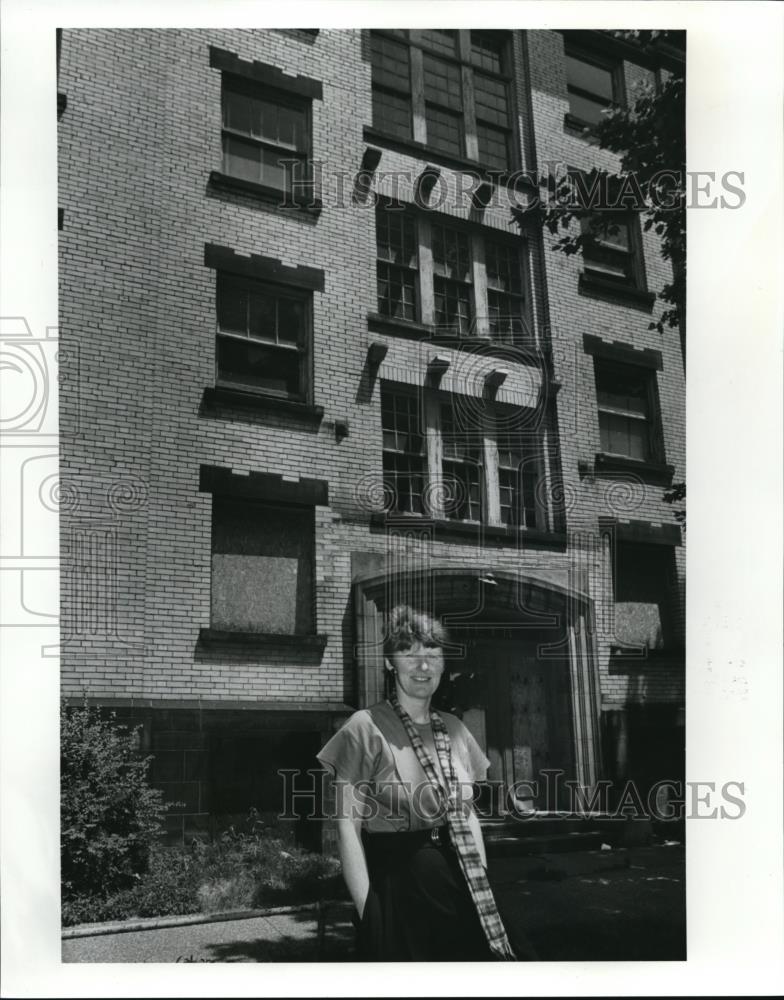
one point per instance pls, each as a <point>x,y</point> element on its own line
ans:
<point>459,830</point>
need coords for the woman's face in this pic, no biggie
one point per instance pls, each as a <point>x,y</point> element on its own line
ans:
<point>418,669</point>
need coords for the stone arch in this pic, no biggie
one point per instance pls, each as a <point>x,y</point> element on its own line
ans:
<point>509,601</point>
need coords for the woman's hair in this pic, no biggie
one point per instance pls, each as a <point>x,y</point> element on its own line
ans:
<point>405,626</point>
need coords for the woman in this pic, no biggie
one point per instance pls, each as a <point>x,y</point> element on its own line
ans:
<point>410,843</point>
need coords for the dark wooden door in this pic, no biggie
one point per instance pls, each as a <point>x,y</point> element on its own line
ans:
<point>528,728</point>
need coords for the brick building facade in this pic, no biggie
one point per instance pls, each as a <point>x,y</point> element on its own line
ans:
<point>321,369</point>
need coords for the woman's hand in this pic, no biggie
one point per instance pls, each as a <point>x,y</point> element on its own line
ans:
<point>352,854</point>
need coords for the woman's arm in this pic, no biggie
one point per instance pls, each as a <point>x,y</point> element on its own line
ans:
<point>352,854</point>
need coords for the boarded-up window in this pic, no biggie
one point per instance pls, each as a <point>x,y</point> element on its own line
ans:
<point>262,567</point>
<point>644,578</point>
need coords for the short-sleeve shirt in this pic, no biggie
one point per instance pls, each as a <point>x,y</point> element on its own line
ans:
<point>372,751</point>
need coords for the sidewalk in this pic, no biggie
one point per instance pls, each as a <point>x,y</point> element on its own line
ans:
<point>619,905</point>
<point>282,937</point>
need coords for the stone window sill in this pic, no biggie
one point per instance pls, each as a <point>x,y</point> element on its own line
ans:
<point>510,177</point>
<point>472,531</point>
<point>215,400</point>
<point>261,640</point>
<point>649,472</point>
<point>593,287</point>
<point>268,195</point>
<point>378,323</point>
<point>580,128</point>
<point>625,659</point>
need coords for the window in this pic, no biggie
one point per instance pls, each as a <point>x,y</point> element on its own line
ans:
<point>440,287</point>
<point>452,280</point>
<point>443,460</point>
<point>262,567</point>
<point>517,476</point>
<point>263,336</point>
<point>627,412</point>
<point>610,251</point>
<point>440,40</point>
<point>489,54</point>
<point>266,135</point>
<point>391,85</point>
<point>405,460</point>
<point>461,468</point>
<point>505,301</point>
<point>443,105</point>
<point>645,585</point>
<point>396,264</point>
<point>489,51</point>
<point>461,107</point>
<point>592,84</point>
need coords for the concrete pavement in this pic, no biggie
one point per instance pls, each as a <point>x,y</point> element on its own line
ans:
<point>283,937</point>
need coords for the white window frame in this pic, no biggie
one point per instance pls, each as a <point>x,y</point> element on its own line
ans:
<point>424,276</point>
<point>486,437</point>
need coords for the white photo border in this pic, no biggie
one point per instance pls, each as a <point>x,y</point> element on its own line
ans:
<point>734,589</point>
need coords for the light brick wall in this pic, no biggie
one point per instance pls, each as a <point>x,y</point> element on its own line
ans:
<point>571,316</point>
<point>140,135</point>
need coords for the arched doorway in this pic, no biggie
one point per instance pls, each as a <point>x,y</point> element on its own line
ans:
<point>520,672</point>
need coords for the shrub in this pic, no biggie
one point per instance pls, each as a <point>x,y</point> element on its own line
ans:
<point>233,874</point>
<point>110,817</point>
<point>169,887</point>
<point>246,868</point>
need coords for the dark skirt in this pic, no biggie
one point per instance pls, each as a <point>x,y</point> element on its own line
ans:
<point>419,907</point>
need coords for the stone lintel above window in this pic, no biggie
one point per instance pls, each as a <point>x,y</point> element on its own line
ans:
<point>265,268</point>
<point>642,531</point>
<point>269,76</point>
<point>264,486</point>
<point>306,35</point>
<point>615,350</point>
